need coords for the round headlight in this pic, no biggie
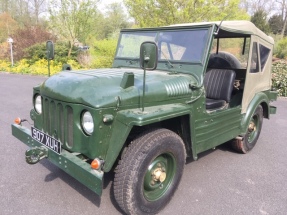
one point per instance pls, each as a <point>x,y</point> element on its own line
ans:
<point>88,122</point>
<point>38,104</point>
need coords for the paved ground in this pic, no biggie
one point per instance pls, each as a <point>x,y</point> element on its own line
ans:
<point>220,182</point>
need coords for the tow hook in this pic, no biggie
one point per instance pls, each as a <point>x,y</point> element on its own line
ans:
<point>35,154</point>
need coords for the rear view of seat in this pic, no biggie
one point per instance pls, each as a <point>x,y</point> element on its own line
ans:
<point>218,84</point>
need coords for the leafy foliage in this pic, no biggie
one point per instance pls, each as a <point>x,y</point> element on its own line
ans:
<point>279,78</point>
<point>115,20</point>
<point>7,25</point>
<point>39,67</point>
<point>38,51</point>
<point>260,20</point>
<point>276,24</point>
<point>29,36</point>
<point>5,51</point>
<point>73,20</point>
<point>5,65</point>
<point>103,53</point>
<point>24,12</point>
<point>165,12</point>
<point>281,48</point>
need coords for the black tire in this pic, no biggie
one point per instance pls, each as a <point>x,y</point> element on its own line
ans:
<point>223,60</point>
<point>149,172</point>
<point>250,138</point>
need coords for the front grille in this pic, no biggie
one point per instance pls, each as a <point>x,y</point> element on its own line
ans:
<point>58,121</point>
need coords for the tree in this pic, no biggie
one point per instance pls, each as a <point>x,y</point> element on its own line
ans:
<point>260,20</point>
<point>282,7</point>
<point>37,7</point>
<point>73,20</point>
<point>165,12</point>
<point>277,7</point>
<point>252,6</point>
<point>276,24</point>
<point>29,36</point>
<point>7,25</point>
<point>115,19</point>
<point>18,9</point>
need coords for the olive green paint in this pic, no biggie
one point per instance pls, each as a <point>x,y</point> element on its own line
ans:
<point>126,119</point>
<point>262,99</point>
<point>148,55</point>
<point>114,98</point>
<point>128,80</point>
<point>68,162</point>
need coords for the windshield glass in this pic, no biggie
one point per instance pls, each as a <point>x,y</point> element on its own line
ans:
<point>130,43</point>
<point>181,45</point>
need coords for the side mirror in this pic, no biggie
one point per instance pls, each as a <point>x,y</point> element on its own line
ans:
<point>50,50</point>
<point>148,55</point>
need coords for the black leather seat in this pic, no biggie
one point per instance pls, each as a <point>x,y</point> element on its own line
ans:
<point>218,84</point>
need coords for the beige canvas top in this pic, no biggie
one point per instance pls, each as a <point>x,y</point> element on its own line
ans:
<point>241,26</point>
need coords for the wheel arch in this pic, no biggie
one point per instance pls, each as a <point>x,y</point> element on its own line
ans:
<point>179,125</point>
<point>266,111</point>
<point>259,99</point>
<point>131,123</point>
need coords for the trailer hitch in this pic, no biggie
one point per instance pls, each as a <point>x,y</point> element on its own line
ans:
<point>35,154</point>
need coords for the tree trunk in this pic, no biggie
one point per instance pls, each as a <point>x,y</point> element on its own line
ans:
<point>284,25</point>
<point>70,49</point>
<point>284,17</point>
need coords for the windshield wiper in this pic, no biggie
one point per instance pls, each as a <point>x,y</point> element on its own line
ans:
<point>170,64</point>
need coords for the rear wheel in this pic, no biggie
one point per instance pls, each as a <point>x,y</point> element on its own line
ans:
<point>149,172</point>
<point>250,138</point>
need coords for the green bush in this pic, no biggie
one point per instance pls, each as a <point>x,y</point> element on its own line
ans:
<point>38,52</point>
<point>39,67</point>
<point>279,78</point>
<point>103,52</point>
<point>280,50</point>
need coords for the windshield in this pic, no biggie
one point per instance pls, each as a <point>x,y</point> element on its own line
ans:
<point>181,45</point>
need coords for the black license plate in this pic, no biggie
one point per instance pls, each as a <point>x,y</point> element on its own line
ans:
<point>46,140</point>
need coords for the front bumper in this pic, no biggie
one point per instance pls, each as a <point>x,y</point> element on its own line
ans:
<point>67,161</point>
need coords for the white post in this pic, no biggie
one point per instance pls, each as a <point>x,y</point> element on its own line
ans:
<point>10,41</point>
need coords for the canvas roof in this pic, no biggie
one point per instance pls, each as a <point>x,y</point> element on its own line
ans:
<point>243,27</point>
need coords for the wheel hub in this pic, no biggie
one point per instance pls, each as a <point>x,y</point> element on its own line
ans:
<point>252,127</point>
<point>159,174</point>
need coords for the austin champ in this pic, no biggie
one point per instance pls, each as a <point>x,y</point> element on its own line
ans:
<point>171,93</point>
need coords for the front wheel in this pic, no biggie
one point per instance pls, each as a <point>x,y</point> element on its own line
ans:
<point>250,138</point>
<point>149,172</point>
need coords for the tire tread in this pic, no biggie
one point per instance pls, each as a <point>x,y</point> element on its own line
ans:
<point>126,168</point>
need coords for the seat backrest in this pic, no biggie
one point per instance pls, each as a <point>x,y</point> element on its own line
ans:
<point>218,84</point>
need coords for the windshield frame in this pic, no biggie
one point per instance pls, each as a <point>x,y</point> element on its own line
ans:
<point>180,31</point>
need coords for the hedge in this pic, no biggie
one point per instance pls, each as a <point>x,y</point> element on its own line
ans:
<point>279,77</point>
<point>39,67</point>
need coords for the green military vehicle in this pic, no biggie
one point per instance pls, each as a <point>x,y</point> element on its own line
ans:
<point>172,92</point>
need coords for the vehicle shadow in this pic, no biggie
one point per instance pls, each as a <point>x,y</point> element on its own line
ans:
<point>113,200</point>
<point>223,147</point>
<point>227,147</point>
<point>56,172</point>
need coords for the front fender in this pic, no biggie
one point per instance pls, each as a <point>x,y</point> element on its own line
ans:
<point>126,119</point>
